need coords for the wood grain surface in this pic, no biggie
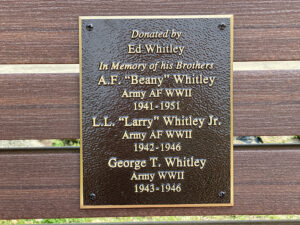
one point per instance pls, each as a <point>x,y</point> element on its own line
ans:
<point>43,106</point>
<point>42,31</point>
<point>45,184</point>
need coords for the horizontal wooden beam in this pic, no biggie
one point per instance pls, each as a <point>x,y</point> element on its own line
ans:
<point>41,31</point>
<point>43,106</point>
<point>45,184</point>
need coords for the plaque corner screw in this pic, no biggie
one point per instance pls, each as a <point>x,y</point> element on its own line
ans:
<point>222,194</point>
<point>92,196</point>
<point>89,27</point>
<point>222,26</point>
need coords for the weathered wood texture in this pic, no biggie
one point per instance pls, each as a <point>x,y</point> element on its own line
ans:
<point>45,184</point>
<point>43,106</point>
<point>42,31</point>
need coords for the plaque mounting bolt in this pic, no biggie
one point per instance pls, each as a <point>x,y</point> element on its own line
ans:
<point>222,194</point>
<point>89,27</point>
<point>92,196</point>
<point>222,26</point>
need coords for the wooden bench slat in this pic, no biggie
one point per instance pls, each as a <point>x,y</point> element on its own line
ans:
<point>44,106</point>
<point>45,184</point>
<point>41,31</point>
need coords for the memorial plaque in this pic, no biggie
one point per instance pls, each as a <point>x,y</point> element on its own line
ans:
<point>156,111</point>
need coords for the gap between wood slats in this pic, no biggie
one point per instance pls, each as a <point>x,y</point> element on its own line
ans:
<point>74,68</point>
<point>245,222</point>
<point>75,149</point>
<point>39,185</point>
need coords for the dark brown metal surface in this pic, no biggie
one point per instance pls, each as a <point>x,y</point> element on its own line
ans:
<point>205,179</point>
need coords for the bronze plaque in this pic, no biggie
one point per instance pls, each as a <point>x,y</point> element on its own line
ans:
<point>156,111</point>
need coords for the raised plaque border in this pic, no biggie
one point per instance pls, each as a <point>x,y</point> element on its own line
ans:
<point>82,206</point>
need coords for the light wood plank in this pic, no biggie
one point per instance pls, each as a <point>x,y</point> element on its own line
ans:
<point>42,31</point>
<point>43,106</point>
<point>45,184</point>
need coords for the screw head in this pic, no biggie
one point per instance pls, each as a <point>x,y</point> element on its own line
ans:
<point>221,194</point>
<point>222,26</point>
<point>89,27</point>
<point>92,196</point>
